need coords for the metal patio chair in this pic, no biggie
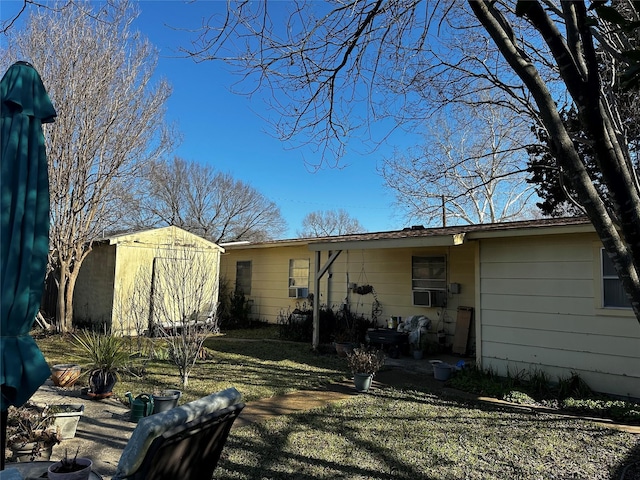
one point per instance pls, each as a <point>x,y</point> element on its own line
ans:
<point>183,443</point>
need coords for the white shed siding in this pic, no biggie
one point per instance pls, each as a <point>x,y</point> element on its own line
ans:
<point>538,312</point>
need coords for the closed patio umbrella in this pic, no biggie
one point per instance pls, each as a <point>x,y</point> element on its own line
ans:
<point>24,232</point>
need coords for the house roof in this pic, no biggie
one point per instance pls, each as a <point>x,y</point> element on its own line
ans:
<point>424,237</point>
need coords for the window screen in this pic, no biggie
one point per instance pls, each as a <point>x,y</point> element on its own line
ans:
<point>429,273</point>
<point>243,277</point>
<point>613,295</point>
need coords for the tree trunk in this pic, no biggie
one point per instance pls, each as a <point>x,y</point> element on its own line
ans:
<point>60,300</point>
<point>617,225</point>
<point>64,304</point>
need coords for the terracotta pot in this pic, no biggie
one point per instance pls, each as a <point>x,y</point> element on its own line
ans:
<point>65,374</point>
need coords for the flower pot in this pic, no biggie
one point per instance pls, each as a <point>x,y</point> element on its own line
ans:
<point>362,381</point>
<point>442,371</point>
<point>166,400</point>
<point>30,452</point>
<point>53,472</point>
<point>101,383</point>
<point>418,354</point>
<point>66,419</point>
<point>65,374</point>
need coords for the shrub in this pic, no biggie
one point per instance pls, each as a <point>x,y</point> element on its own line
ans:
<point>234,310</point>
<point>516,396</point>
<point>297,325</point>
<point>573,386</point>
<point>364,360</point>
<point>616,409</point>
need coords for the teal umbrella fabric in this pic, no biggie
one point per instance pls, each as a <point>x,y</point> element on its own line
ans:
<point>24,229</point>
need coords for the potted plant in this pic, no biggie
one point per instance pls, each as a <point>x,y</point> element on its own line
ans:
<point>30,435</point>
<point>70,469</point>
<point>104,357</point>
<point>65,419</point>
<point>363,289</point>
<point>65,374</point>
<point>164,400</point>
<point>364,363</point>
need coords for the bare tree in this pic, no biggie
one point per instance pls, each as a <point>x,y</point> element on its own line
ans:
<point>132,306</point>
<point>203,201</point>
<point>329,222</point>
<point>403,59</point>
<point>109,123</point>
<point>184,298</point>
<point>470,169</point>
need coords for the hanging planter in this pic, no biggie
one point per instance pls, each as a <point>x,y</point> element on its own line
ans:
<point>363,289</point>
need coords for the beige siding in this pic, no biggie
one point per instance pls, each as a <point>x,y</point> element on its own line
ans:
<point>538,312</point>
<point>93,294</point>
<point>269,277</point>
<point>112,275</point>
<point>387,270</point>
<point>134,273</point>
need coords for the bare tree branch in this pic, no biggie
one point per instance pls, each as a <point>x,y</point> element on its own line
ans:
<point>98,75</point>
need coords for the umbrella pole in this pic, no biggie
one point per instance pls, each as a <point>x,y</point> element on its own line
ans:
<point>3,432</point>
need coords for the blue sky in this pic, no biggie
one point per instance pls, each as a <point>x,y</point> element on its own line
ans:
<point>226,130</point>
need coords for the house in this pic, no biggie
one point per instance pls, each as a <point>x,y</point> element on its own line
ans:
<point>159,276</point>
<point>543,295</point>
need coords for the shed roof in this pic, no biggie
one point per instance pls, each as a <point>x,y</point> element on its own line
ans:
<point>170,235</point>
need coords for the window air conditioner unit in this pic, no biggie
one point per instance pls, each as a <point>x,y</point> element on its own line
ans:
<point>298,292</point>
<point>429,298</point>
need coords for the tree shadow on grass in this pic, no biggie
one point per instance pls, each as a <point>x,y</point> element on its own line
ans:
<point>410,434</point>
<point>629,467</point>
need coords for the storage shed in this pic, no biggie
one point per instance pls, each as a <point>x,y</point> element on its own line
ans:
<point>129,282</point>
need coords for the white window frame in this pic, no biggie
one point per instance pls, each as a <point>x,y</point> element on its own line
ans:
<point>297,279</point>
<point>609,277</point>
<point>429,281</point>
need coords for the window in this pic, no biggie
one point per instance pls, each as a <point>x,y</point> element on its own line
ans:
<point>298,278</point>
<point>243,277</point>
<point>429,273</point>
<point>613,295</point>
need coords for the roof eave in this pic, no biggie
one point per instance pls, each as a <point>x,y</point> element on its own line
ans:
<point>532,231</point>
<point>430,241</point>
